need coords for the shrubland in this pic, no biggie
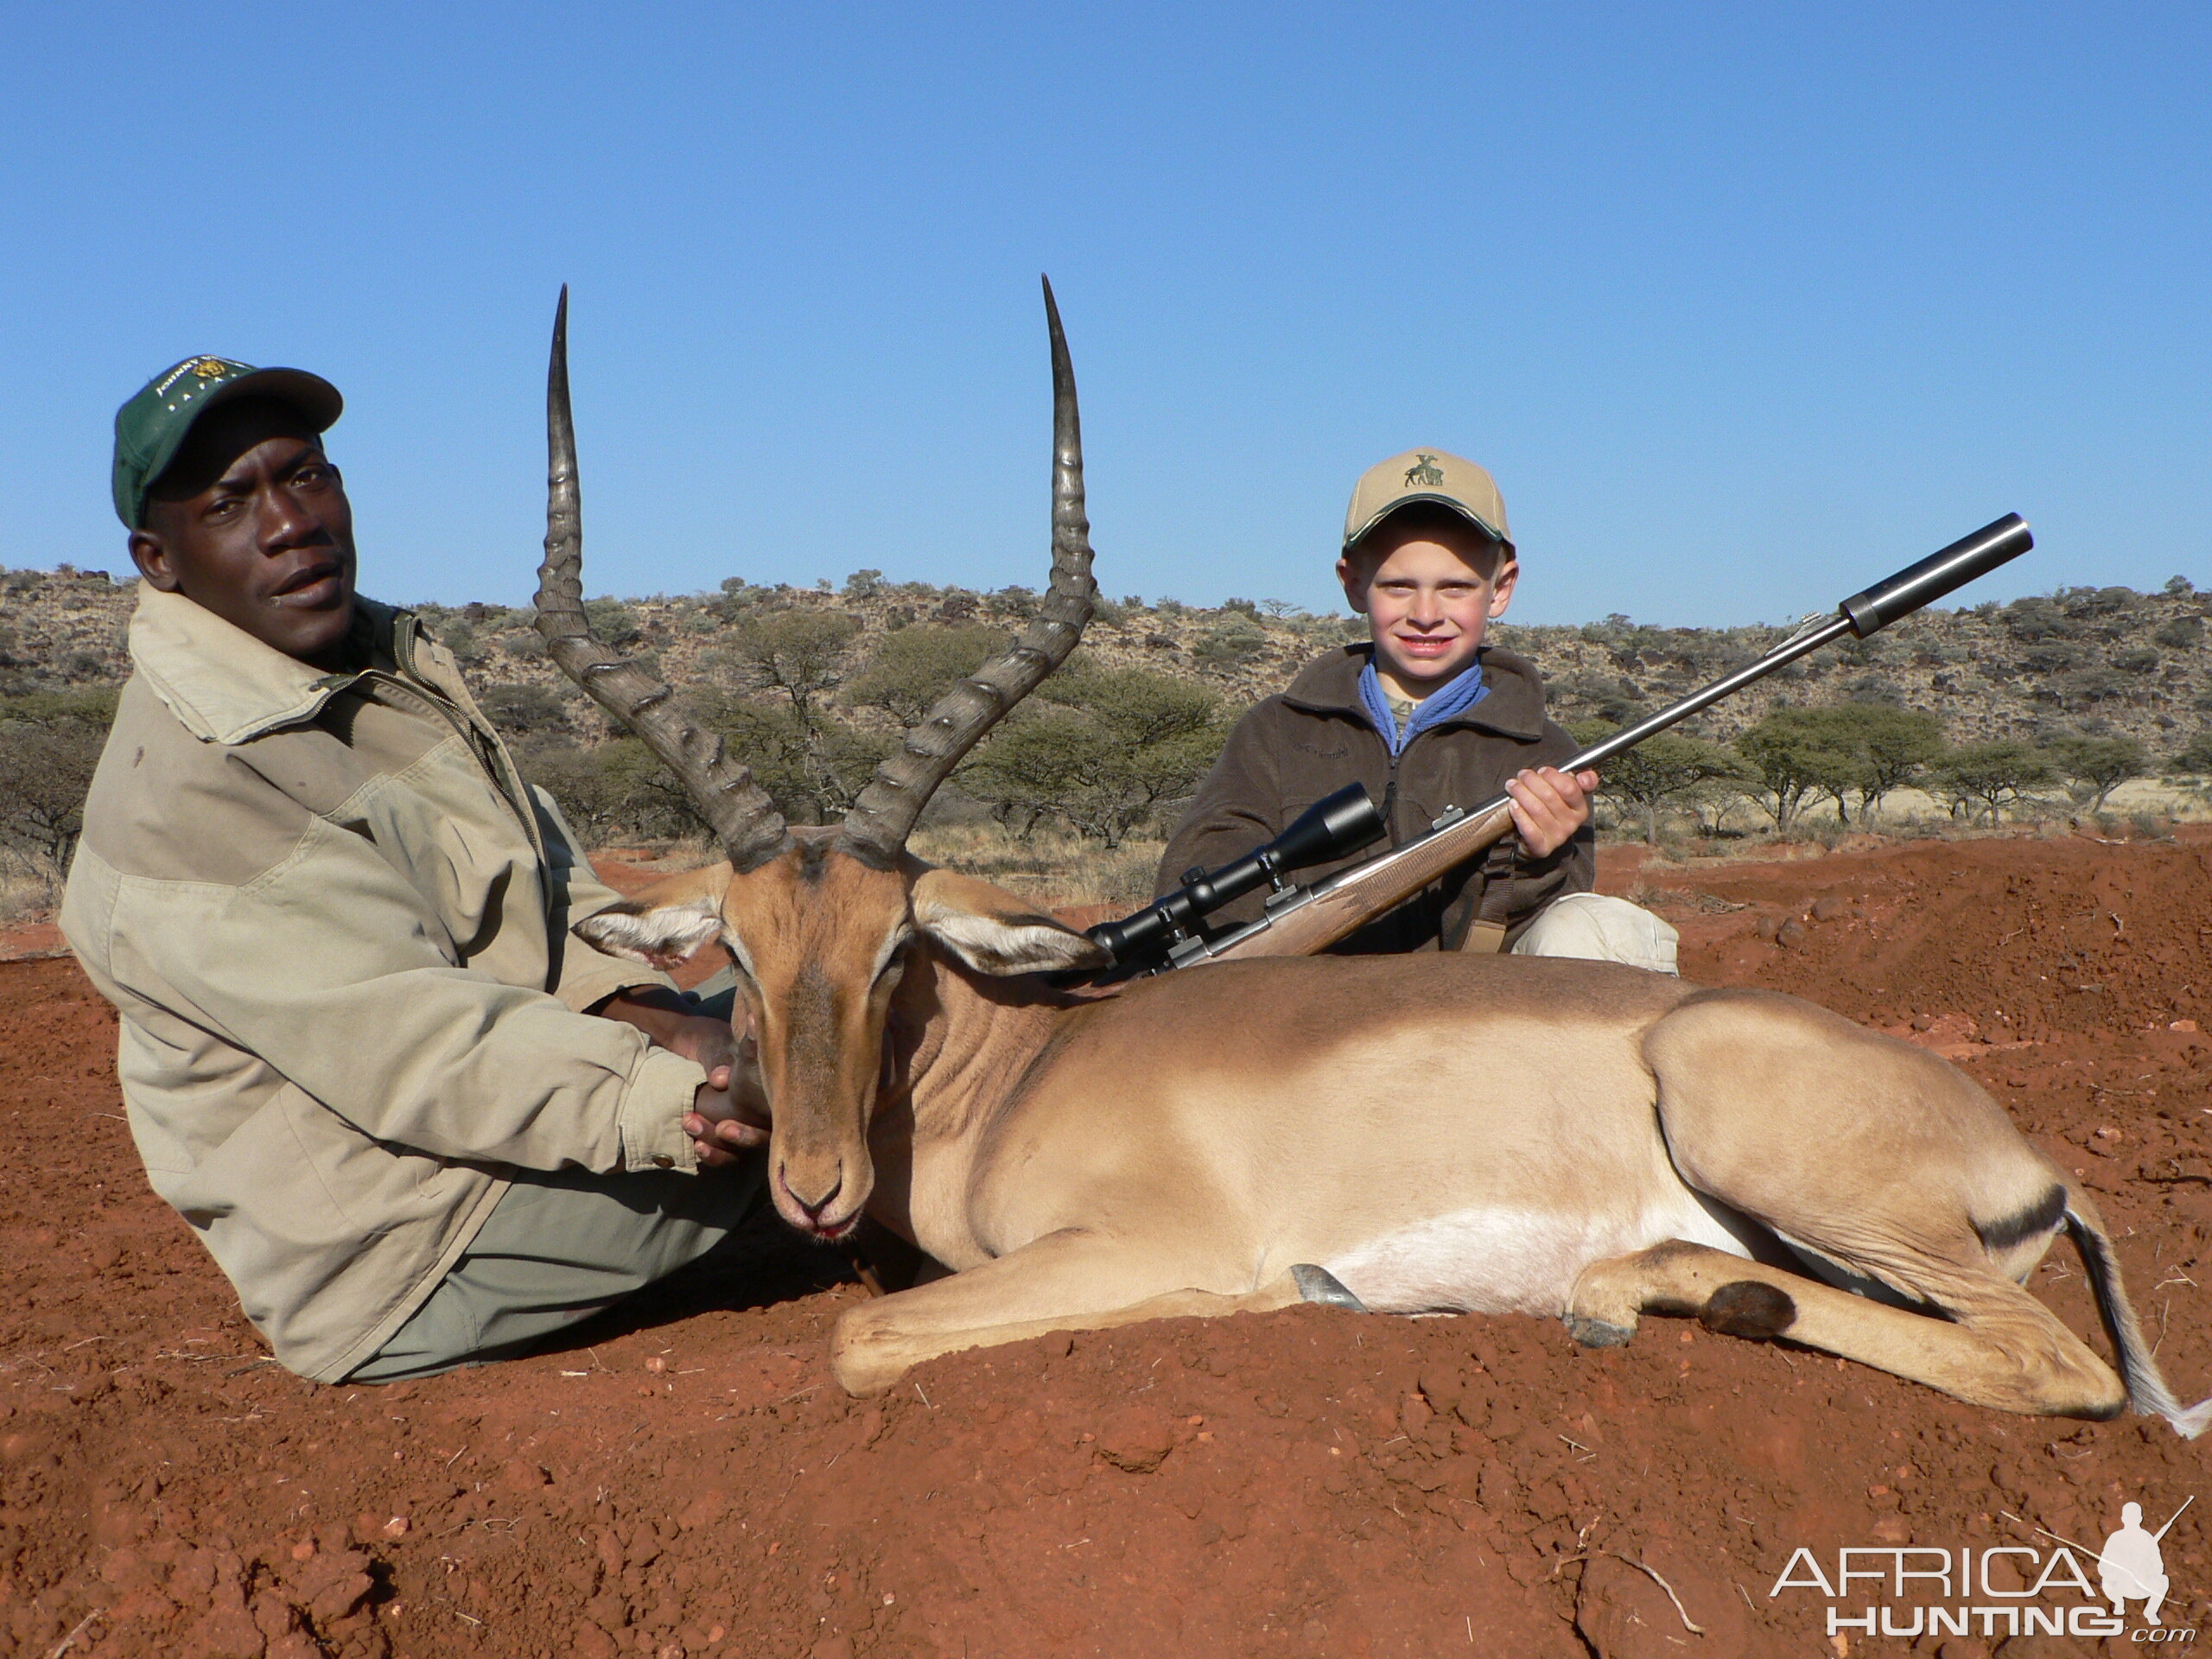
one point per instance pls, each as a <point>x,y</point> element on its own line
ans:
<point>2044,707</point>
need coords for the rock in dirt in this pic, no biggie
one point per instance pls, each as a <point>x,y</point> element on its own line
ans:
<point>1137,1439</point>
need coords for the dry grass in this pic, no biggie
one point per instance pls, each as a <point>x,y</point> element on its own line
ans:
<point>1049,865</point>
<point>27,893</point>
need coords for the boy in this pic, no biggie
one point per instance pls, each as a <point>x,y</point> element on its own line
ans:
<point>1428,717</point>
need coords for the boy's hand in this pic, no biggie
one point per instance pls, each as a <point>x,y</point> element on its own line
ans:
<point>1548,806</point>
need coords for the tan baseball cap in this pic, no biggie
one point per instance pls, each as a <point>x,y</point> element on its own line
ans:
<point>1426,475</point>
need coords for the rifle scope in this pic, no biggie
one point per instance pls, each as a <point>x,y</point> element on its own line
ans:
<point>1330,828</point>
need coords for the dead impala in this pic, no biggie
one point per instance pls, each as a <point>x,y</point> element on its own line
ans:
<point>1487,1134</point>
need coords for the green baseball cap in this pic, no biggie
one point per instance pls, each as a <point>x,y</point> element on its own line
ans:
<point>150,428</point>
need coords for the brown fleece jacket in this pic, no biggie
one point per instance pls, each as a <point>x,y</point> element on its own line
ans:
<point>1314,738</point>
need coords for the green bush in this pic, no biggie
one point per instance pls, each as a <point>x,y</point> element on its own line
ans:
<point>1231,643</point>
<point>519,710</point>
<point>2183,633</point>
<point>1100,749</point>
<point>50,743</point>
<point>615,623</point>
<point>912,667</point>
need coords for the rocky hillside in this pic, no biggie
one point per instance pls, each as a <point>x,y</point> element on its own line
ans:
<point>2091,660</point>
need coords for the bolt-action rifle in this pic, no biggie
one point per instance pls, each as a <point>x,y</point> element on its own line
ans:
<point>1299,921</point>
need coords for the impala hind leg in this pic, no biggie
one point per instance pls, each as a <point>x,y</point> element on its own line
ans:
<point>2001,1348</point>
<point>1064,1281</point>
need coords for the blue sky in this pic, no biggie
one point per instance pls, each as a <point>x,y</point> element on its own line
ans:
<point>1745,306</point>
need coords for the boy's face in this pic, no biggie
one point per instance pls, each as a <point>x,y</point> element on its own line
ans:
<point>1428,591</point>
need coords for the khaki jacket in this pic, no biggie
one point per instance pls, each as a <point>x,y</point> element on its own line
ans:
<point>1311,739</point>
<point>335,923</point>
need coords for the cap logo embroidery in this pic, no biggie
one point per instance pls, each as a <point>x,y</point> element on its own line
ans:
<point>209,368</point>
<point>1424,471</point>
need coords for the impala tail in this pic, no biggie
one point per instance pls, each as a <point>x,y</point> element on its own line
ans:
<point>2148,1391</point>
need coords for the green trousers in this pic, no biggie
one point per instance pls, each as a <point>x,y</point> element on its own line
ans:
<point>560,1247</point>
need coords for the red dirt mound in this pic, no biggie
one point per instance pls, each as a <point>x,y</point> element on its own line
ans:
<point>687,1481</point>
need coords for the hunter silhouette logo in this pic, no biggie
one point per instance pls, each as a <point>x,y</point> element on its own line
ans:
<point>1424,471</point>
<point>2132,1566</point>
<point>2002,1590</point>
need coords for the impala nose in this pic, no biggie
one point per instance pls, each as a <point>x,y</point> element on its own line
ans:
<point>815,1207</point>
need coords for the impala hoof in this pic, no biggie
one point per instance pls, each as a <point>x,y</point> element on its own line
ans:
<point>1596,1334</point>
<point>1319,1285</point>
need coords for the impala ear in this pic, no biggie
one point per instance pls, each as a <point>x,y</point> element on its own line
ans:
<point>665,924</point>
<point>995,931</point>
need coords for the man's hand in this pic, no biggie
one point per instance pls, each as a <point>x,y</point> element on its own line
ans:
<point>1548,806</point>
<point>722,1125</point>
<point>723,1122</point>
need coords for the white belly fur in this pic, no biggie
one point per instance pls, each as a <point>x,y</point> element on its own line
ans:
<point>1506,1258</point>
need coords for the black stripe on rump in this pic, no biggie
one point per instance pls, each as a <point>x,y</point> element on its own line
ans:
<point>2041,1217</point>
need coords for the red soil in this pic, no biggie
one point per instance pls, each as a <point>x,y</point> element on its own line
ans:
<point>686,1480</point>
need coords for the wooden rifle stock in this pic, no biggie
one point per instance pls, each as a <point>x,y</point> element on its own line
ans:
<point>1332,908</point>
<point>1302,921</point>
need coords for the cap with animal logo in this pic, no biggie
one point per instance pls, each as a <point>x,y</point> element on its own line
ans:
<point>1426,475</point>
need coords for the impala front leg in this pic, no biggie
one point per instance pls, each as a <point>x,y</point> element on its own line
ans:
<point>1071,1281</point>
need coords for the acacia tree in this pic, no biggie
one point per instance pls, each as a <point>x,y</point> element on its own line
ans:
<point>796,654</point>
<point>1100,749</point>
<point>1990,776</point>
<point>811,762</point>
<point>2095,766</point>
<point>1893,747</point>
<point>1797,755</point>
<point>1658,771</point>
<point>50,743</point>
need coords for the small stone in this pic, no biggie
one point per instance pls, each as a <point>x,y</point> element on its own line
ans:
<point>1137,1439</point>
<point>520,1475</point>
<point>398,1527</point>
<point>656,1364</point>
<point>304,1550</point>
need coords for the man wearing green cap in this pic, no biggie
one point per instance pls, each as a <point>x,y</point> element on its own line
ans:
<point>1428,715</point>
<point>357,1046</point>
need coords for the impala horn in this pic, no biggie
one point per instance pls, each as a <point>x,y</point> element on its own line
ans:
<point>736,808</point>
<point>884,815</point>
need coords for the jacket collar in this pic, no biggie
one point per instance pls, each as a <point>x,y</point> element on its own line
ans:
<point>1515,706</point>
<point>226,686</point>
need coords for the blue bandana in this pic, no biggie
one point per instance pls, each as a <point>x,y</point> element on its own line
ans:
<point>1455,696</point>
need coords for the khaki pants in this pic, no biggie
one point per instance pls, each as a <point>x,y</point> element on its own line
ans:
<point>561,1247</point>
<point>1600,929</point>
